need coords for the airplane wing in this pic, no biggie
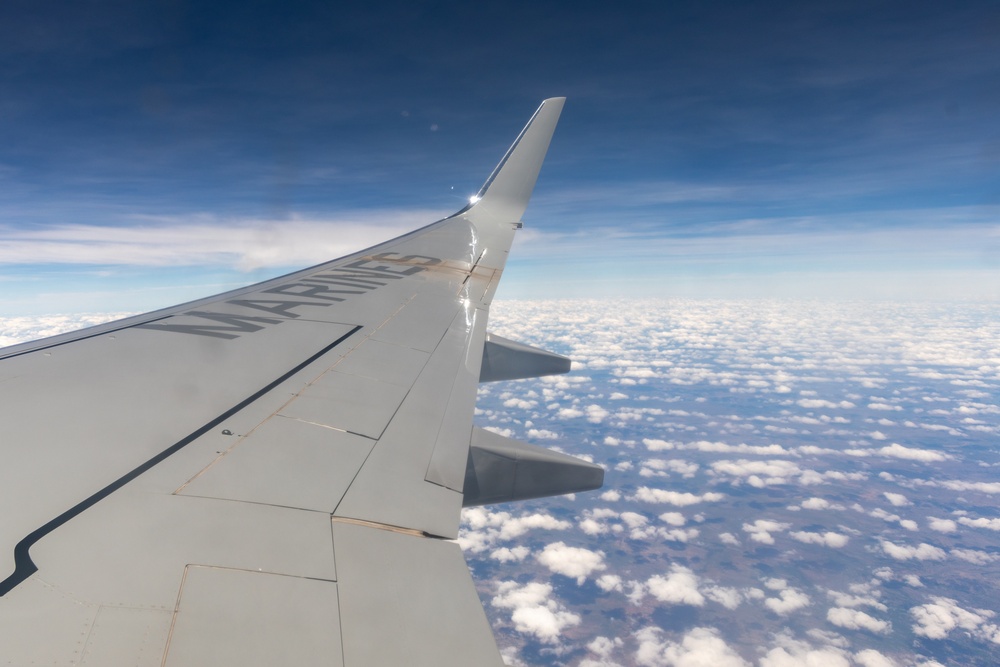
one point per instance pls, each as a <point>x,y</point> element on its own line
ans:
<point>274,475</point>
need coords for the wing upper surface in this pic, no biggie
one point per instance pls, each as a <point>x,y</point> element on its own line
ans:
<point>188,471</point>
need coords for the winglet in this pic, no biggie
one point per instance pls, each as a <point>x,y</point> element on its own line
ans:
<point>506,192</point>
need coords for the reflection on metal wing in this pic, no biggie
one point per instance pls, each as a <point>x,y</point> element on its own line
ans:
<point>273,475</point>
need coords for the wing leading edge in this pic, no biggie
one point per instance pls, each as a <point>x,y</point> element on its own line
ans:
<point>273,474</point>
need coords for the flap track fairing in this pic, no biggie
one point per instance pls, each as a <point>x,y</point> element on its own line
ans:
<point>503,470</point>
<point>504,359</point>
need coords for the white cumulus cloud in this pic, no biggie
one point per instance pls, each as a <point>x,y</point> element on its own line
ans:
<point>937,618</point>
<point>869,657</point>
<point>533,611</point>
<point>508,555</point>
<point>923,551</point>
<point>761,529</point>
<point>815,504</point>
<point>679,586</point>
<point>788,600</point>
<point>789,652</point>
<point>895,450</point>
<point>897,499</point>
<point>698,647</point>
<point>942,525</point>
<point>828,539</point>
<point>574,562</point>
<point>681,499</point>
<point>854,619</point>
<point>989,524</point>
<point>610,582</point>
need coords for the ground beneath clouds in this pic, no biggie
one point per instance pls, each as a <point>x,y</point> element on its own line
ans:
<point>789,483</point>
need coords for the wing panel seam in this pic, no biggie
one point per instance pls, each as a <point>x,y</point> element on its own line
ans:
<point>74,340</point>
<point>24,567</point>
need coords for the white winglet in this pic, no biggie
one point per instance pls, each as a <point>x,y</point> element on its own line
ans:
<point>506,192</point>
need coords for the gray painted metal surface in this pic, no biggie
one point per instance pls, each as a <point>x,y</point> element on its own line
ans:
<point>502,470</point>
<point>266,476</point>
<point>287,463</point>
<point>403,593</point>
<point>505,359</point>
<point>254,619</point>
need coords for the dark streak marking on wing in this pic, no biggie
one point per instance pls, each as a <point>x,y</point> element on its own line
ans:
<point>24,567</point>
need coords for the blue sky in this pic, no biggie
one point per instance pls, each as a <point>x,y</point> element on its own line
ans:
<point>154,152</point>
<point>160,151</point>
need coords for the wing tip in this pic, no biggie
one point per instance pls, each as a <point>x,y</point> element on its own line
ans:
<point>505,194</point>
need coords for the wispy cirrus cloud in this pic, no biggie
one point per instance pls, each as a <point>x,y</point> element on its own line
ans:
<point>206,240</point>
